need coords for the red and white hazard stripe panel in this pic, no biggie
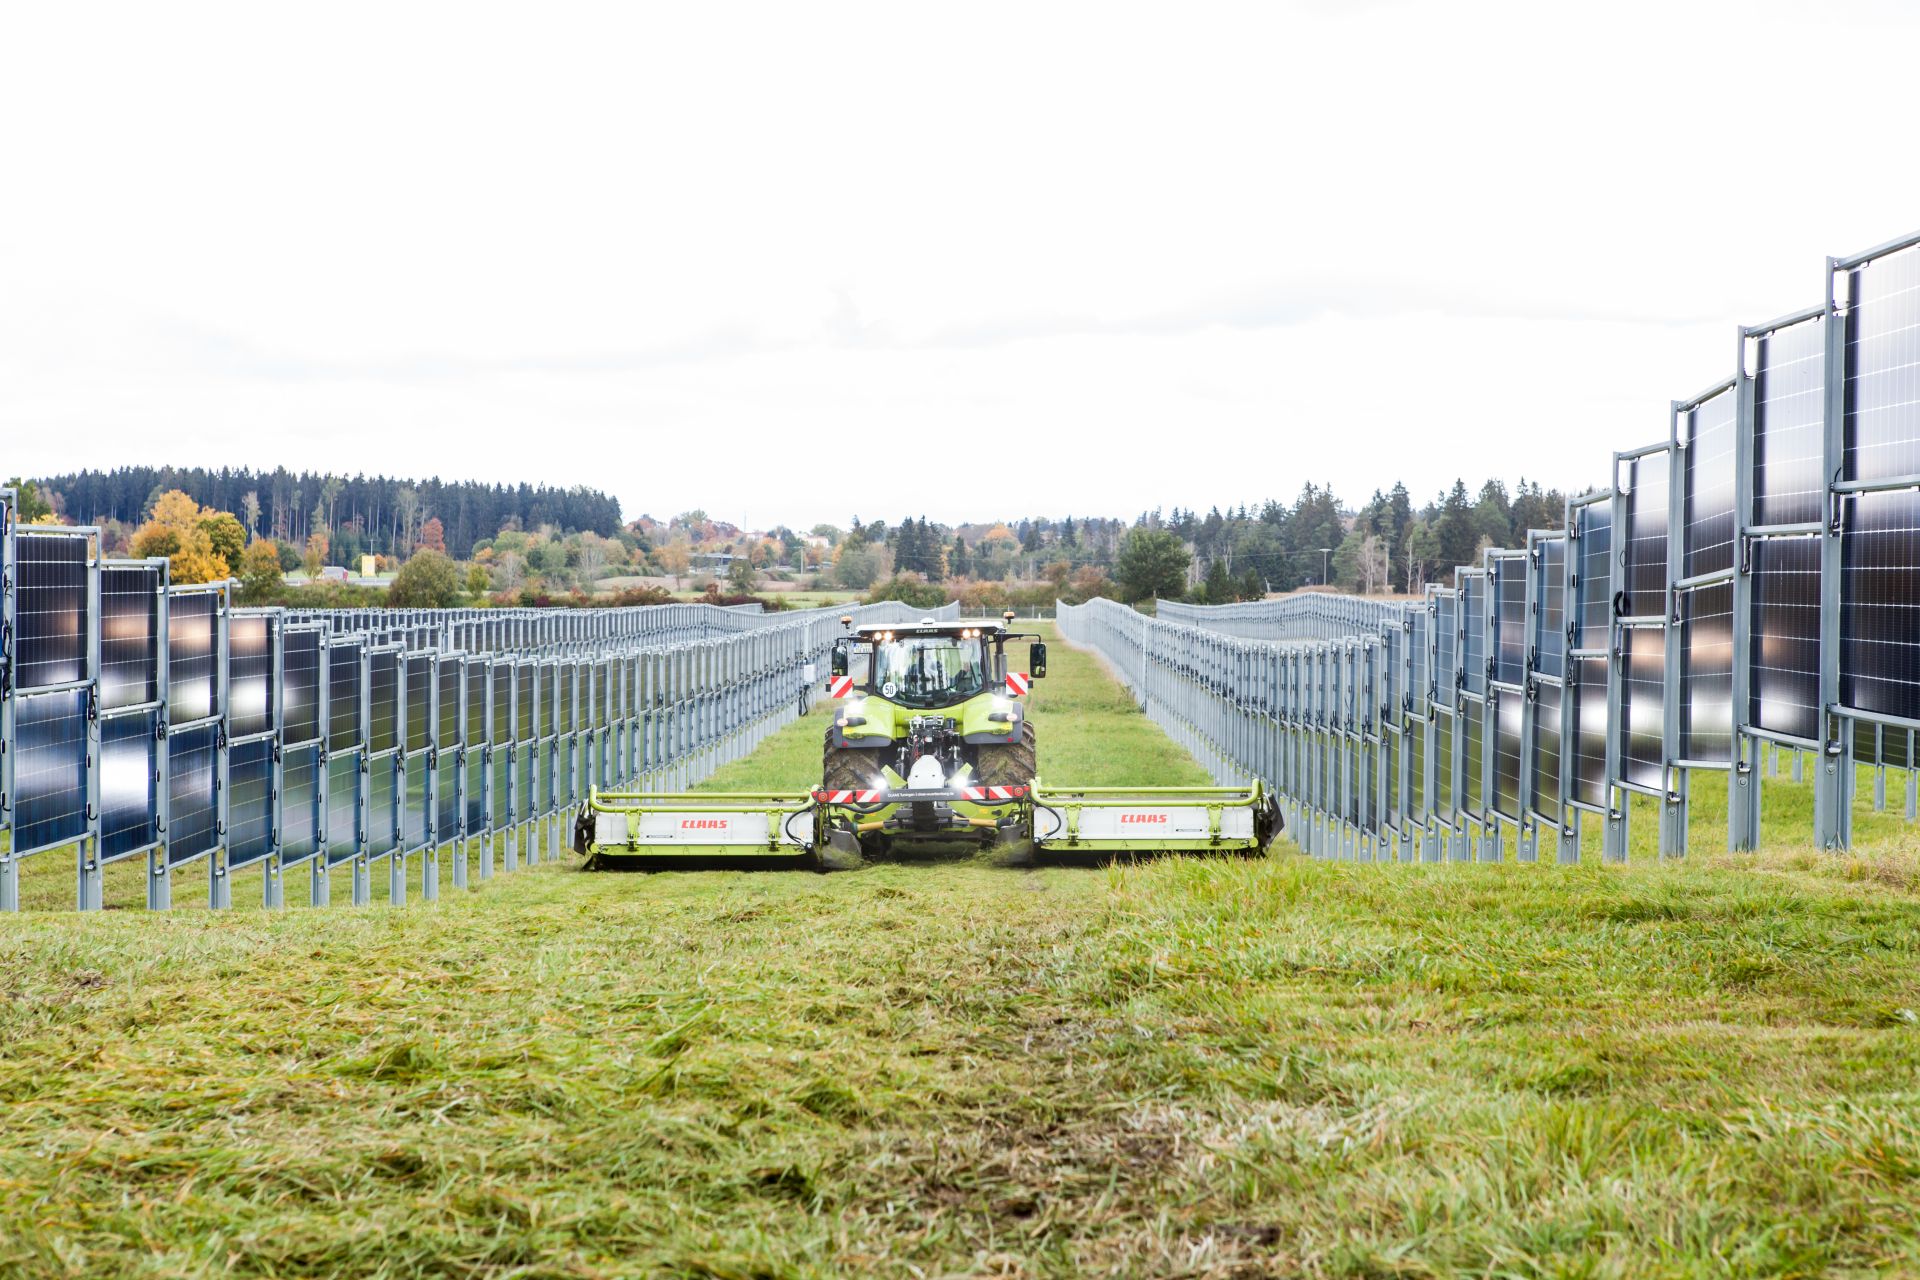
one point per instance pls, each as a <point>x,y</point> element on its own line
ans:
<point>849,797</point>
<point>1018,682</point>
<point>993,793</point>
<point>840,686</point>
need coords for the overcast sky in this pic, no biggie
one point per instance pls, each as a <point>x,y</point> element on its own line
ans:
<point>796,262</point>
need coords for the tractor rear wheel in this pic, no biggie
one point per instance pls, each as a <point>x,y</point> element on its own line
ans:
<point>1011,765</point>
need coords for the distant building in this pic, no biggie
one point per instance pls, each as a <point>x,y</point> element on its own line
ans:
<point>334,573</point>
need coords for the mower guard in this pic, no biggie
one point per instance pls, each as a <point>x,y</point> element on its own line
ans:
<point>1139,820</point>
<point>635,827</point>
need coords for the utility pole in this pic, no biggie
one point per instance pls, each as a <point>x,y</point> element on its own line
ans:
<point>1324,553</point>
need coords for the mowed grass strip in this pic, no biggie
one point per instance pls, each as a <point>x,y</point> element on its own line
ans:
<point>1193,1067</point>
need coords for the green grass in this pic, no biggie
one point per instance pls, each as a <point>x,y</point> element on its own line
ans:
<point>1203,1068</point>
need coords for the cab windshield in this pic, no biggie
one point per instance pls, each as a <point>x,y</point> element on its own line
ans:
<point>929,671</point>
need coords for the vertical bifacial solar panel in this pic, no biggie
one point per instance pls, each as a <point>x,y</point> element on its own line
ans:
<point>1789,424</point>
<point>1707,492</point>
<point>1506,711</point>
<point>418,671</point>
<point>300,685</point>
<point>193,652</point>
<point>1546,751</point>
<point>1646,546</point>
<point>129,784</point>
<point>525,704</point>
<point>1880,603</point>
<point>383,807</point>
<point>1417,771</point>
<point>1393,751</point>
<point>1443,732</point>
<point>1473,625</point>
<point>1706,673</point>
<point>49,770</point>
<point>1642,696</point>
<point>1393,645</point>
<point>414,812</point>
<point>1420,682</point>
<point>446,794</point>
<point>476,792</point>
<point>1510,588</point>
<point>1588,781</point>
<point>447,673</point>
<point>1446,647</point>
<point>500,690</point>
<point>51,614</point>
<point>1550,623</point>
<point>129,636</point>
<point>1594,592</point>
<point>300,776</point>
<point>1882,424</point>
<point>476,686</point>
<point>193,814</point>
<point>343,808</point>
<point>249,802</point>
<point>500,807</point>
<point>346,672</point>
<point>251,696</point>
<point>525,792</point>
<point>549,699</point>
<point>383,701</point>
<point>1784,690</point>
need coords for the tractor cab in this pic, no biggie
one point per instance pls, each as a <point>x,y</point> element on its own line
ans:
<point>929,666</point>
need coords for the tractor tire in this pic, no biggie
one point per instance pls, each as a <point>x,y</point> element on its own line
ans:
<point>848,768</point>
<point>1010,766</point>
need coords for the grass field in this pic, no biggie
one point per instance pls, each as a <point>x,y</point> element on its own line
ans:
<point>1202,1068</point>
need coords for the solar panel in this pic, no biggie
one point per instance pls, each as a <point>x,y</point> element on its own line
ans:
<point>413,824</point>
<point>525,806</point>
<point>1646,550</point>
<point>1880,603</point>
<point>250,692</point>
<point>500,690</point>
<point>1789,424</point>
<point>1443,767</point>
<point>1473,646</point>
<point>1594,593</point>
<point>346,671</point>
<point>1506,712</point>
<point>1707,485</point>
<point>1550,623</point>
<point>300,786</point>
<point>1420,683</point>
<point>51,618</point>
<point>420,676</point>
<point>193,650</point>
<point>502,811</point>
<point>448,672</point>
<point>1588,783</point>
<point>1643,676</point>
<point>1390,762</point>
<point>447,795</point>
<point>193,813</point>
<point>1393,645</point>
<point>383,808</point>
<point>343,808</point>
<point>476,793</point>
<point>1882,423</point>
<point>383,701</point>
<point>300,685</point>
<point>129,636</point>
<point>1546,751</point>
<point>476,695</point>
<point>1417,771</point>
<point>50,770</point>
<point>1510,624</point>
<point>550,699</point>
<point>1785,647</point>
<point>525,704</point>
<point>1706,673</point>
<point>249,802</point>
<point>129,784</point>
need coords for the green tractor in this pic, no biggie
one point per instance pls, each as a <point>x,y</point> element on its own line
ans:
<point>931,750</point>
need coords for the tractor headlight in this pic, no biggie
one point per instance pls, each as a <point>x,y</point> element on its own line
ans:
<point>1002,710</point>
<point>853,713</point>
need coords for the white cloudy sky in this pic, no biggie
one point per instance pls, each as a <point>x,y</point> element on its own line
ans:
<point>795,261</point>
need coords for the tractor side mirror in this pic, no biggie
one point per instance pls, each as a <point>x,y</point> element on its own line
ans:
<point>839,659</point>
<point>1036,660</point>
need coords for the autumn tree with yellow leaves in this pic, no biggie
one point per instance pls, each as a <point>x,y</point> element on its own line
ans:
<point>196,541</point>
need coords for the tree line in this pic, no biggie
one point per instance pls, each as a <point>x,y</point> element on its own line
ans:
<point>360,515</point>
